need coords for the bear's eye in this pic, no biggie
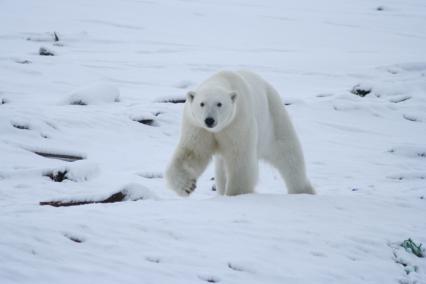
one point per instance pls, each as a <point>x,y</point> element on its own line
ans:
<point>202,104</point>
<point>219,104</point>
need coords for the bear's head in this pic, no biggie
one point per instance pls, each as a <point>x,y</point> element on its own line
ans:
<point>212,109</point>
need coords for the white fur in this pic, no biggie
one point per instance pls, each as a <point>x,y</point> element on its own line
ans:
<point>251,124</point>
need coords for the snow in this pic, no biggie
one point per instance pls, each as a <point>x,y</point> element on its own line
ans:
<point>94,94</point>
<point>129,62</point>
<point>79,171</point>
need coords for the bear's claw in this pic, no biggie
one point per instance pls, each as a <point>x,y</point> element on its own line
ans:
<point>188,188</point>
<point>192,187</point>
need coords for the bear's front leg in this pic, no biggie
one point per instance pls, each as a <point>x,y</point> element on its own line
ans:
<point>189,161</point>
<point>179,177</point>
<point>242,171</point>
<point>220,175</point>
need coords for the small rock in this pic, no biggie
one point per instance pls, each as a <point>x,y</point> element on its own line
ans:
<point>173,100</point>
<point>361,91</point>
<point>45,52</point>
<point>57,176</point>
<point>146,121</point>
<point>21,126</point>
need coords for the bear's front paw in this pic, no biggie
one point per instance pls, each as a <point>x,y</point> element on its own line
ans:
<point>180,180</point>
<point>182,183</point>
<point>185,188</point>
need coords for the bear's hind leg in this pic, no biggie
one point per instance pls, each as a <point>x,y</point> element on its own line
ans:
<point>288,159</point>
<point>285,152</point>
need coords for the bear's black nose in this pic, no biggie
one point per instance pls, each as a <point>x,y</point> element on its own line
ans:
<point>209,122</point>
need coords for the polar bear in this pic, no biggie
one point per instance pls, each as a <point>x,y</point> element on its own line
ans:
<point>238,118</point>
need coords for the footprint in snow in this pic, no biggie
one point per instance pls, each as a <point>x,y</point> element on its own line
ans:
<point>408,176</point>
<point>22,126</point>
<point>409,151</point>
<point>209,278</point>
<point>236,267</point>
<point>325,95</point>
<point>318,254</point>
<point>239,266</point>
<point>153,259</point>
<point>22,61</point>
<point>399,99</point>
<point>412,118</point>
<point>150,175</point>
<point>26,126</point>
<point>74,238</point>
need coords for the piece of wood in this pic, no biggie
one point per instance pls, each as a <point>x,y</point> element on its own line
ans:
<point>116,197</point>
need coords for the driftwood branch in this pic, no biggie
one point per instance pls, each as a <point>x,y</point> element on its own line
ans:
<point>116,197</point>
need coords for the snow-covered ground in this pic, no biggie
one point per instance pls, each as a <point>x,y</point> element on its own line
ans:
<point>102,99</point>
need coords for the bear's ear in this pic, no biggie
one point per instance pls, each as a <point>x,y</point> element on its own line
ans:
<point>190,96</point>
<point>233,95</point>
